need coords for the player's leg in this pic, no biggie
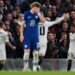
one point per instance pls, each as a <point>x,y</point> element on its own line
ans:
<point>26,54</point>
<point>26,59</point>
<point>35,55</point>
<point>2,62</point>
<point>69,65</point>
<point>69,61</point>
<point>42,52</point>
<point>2,58</point>
<point>35,60</point>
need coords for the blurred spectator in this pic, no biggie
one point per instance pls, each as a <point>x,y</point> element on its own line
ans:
<point>72,17</point>
<point>14,14</point>
<point>19,2</point>
<point>17,8</point>
<point>73,7</point>
<point>20,19</point>
<point>64,28</point>
<point>51,46</point>
<point>49,14</point>
<point>25,6</point>
<point>2,8</point>
<point>8,6</point>
<point>59,6</point>
<point>19,45</point>
<point>64,44</point>
<point>46,7</point>
<point>8,17</point>
<point>16,32</point>
<point>55,13</point>
<point>66,5</point>
<point>13,2</point>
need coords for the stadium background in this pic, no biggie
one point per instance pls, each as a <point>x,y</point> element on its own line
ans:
<point>10,12</point>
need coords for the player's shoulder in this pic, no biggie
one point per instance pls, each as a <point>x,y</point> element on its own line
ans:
<point>27,12</point>
<point>5,32</point>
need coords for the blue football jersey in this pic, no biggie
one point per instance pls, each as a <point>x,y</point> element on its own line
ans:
<point>31,30</point>
<point>31,23</point>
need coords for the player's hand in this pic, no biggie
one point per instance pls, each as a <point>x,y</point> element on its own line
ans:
<point>21,38</point>
<point>66,15</point>
<point>38,11</point>
<point>14,48</point>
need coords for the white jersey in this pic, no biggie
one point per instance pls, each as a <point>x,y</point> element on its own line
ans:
<point>72,42</point>
<point>71,51</point>
<point>43,30</point>
<point>3,39</point>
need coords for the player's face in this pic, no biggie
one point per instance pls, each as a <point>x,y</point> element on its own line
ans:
<point>36,9</point>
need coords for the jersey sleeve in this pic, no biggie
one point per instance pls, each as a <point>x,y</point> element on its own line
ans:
<point>49,24</point>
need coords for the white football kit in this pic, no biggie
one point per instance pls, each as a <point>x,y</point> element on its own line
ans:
<point>71,51</point>
<point>43,30</point>
<point>3,39</point>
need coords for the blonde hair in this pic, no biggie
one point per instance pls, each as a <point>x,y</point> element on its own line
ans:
<point>35,4</point>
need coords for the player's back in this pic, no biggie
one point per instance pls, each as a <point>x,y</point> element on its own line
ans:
<point>43,30</point>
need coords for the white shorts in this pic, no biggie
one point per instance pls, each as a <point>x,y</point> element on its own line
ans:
<point>43,47</point>
<point>71,55</point>
<point>2,54</point>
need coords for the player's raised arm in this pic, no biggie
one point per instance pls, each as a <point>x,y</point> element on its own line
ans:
<point>65,16</point>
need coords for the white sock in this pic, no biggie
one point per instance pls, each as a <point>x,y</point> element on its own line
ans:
<point>26,61</point>
<point>35,60</point>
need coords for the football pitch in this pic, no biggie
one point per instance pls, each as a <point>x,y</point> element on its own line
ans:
<point>36,73</point>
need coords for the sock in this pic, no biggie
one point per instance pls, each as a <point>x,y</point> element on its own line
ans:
<point>40,60</point>
<point>26,60</point>
<point>69,65</point>
<point>35,60</point>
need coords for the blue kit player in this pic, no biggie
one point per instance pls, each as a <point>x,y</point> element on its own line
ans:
<point>31,36</point>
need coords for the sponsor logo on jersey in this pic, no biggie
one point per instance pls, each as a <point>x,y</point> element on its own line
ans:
<point>29,17</point>
<point>25,46</point>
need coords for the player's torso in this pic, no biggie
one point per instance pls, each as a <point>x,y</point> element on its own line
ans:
<point>31,23</point>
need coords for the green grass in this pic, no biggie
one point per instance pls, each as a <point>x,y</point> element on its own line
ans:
<point>36,73</point>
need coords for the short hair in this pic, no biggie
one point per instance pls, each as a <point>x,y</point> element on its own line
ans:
<point>35,4</point>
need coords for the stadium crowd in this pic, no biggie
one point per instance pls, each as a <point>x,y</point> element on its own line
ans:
<point>11,14</point>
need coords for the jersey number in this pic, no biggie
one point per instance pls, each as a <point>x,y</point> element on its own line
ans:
<point>42,30</point>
